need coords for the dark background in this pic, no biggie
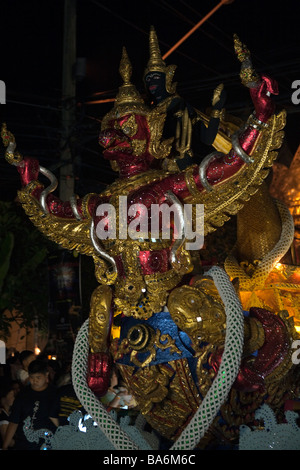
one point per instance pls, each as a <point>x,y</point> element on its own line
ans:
<point>31,66</point>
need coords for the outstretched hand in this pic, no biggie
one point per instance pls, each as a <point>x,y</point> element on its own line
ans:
<point>261,97</point>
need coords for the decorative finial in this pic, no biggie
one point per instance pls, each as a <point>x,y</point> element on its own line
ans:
<point>241,49</point>
<point>9,141</point>
<point>157,64</point>
<point>125,68</point>
<point>6,136</point>
<point>128,99</point>
<point>248,75</point>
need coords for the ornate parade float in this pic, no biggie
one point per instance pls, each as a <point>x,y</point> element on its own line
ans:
<point>199,350</point>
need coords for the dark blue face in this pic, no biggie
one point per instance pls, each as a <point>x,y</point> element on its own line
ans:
<point>156,85</point>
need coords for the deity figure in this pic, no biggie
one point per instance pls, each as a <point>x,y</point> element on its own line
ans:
<point>194,131</point>
<point>173,326</point>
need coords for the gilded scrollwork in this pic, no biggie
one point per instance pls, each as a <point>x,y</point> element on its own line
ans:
<point>157,147</point>
<point>198,314</point>
<point>142,338</point>
<point>99,320</point>
<point>139,296</point>
<point>166,394</point>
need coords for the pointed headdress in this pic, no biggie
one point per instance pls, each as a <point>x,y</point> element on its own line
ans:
<point>128,99</point>
<point>157,64</point>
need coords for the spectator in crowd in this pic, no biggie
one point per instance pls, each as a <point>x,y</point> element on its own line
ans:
<point>25,358</point>
<point>16,387</point>
<point>117,396</point>
<point>14,365</point>
<point>7,397</point>
<point>38,402</point>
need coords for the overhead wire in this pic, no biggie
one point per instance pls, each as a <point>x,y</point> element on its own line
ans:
<point>181,16</point>
<point>134,26</point>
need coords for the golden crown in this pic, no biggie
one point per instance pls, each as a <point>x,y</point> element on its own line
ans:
<point>128,99</point>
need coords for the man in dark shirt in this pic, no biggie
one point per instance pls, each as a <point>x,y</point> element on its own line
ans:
<point>38,404</point>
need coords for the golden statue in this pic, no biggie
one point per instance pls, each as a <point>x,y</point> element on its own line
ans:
<point>176,329</point>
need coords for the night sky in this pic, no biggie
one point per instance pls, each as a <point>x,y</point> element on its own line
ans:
<point>32,55</point>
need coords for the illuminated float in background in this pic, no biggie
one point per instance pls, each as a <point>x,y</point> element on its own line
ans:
<point>199,353</point>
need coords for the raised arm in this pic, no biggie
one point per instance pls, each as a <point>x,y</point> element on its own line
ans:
<point>29,170</point>
<point>217,167</point>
